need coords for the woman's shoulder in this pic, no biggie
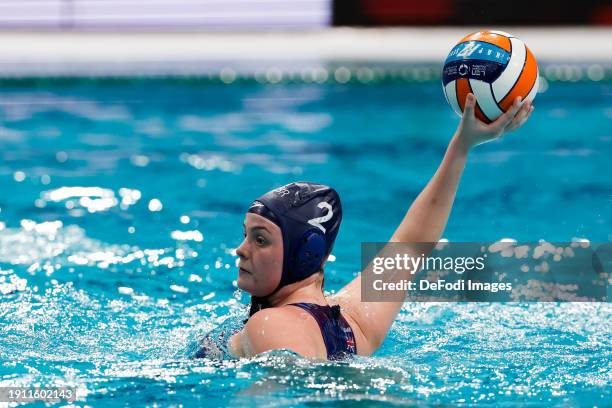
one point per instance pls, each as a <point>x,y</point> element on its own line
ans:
<point>284,318</point>
<point>271,315</point>
<point>282,328</point>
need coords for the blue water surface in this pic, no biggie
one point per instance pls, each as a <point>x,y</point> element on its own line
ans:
<point>122,201</point>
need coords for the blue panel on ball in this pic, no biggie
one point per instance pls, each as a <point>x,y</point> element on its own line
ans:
<point>479,50</point>
<point>486,71</point>
<point>475,60</point>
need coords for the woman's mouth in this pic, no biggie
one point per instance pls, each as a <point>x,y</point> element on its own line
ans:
<point>242,270</point>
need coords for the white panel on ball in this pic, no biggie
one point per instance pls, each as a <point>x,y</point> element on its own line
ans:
<point>505,82</point>
<point>451,96</point>
<point>505,34</point>
<point>483,94</point>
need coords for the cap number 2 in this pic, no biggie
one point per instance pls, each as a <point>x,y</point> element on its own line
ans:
<point>318,220</point>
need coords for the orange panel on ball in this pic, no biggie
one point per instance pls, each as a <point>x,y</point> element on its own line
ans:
<point>463,89</point>
<point>525,82</point>
<point>487,36</point>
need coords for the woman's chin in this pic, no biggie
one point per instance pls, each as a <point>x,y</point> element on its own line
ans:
<point>245,284</point>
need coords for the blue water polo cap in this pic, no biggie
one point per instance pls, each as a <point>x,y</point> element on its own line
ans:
<point>309,217</point>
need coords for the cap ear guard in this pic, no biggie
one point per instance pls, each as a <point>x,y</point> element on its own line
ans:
<point>309,254</point>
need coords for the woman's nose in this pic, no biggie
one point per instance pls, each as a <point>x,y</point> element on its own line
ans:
<point>242,250</point>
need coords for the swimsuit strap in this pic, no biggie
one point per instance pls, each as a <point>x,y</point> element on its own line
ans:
<point>337,334</point>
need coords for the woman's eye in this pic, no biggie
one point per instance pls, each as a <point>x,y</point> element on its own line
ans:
<point>260,240</point>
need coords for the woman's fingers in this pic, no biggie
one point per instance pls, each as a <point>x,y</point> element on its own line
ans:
<point>521,117</point>
<point>470,104</point>
<point>504,120</point>
<point>522,113</point>
<point>527,117</point>
<point>517,124</point>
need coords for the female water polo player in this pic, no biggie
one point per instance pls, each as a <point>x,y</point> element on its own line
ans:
<point>289,233</point>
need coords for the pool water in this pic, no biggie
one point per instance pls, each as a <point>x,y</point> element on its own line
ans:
<point>123,200</point>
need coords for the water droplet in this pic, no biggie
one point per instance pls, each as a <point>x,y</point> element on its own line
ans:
<point>155,205</point>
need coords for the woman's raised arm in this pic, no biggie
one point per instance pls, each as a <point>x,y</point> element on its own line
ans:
<point>426,218</point>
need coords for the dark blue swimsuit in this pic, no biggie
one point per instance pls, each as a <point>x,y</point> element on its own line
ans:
<point>337,334</point>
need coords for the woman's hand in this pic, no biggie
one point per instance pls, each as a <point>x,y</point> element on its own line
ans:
<point>472,131</point>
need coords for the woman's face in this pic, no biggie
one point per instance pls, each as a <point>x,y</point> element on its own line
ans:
<point>261,256</point>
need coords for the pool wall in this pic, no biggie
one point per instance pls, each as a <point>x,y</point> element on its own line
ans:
<point>331,55</point>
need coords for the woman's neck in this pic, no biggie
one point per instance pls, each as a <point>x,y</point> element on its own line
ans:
<point>309,290</point>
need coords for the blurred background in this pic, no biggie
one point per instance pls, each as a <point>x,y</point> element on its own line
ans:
<point>186,37</point>
<point>276,14</point>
